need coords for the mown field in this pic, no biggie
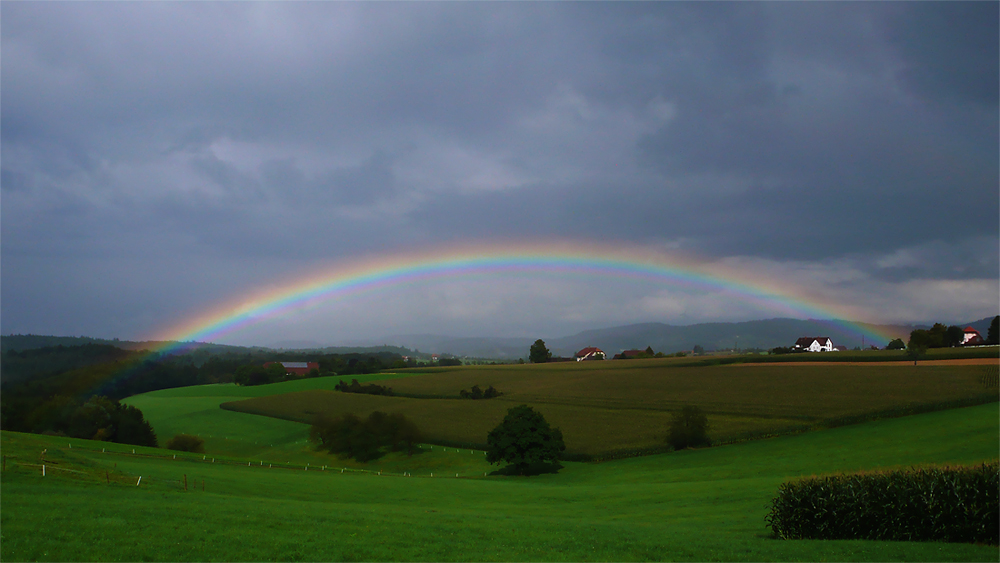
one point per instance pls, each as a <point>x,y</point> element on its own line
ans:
<point>701,505</point>
<point>608,407</point>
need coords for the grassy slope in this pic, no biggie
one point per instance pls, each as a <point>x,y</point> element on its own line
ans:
<point>195,410</point>
<point>606,406</point>
<point>693,505</point>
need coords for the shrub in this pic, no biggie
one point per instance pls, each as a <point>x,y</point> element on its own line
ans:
<point>956,504</point>
<point>370,389</point>
<point>186,443</point>
<point>363,440</point>
<point>478,393</point>
<point>688,429</point>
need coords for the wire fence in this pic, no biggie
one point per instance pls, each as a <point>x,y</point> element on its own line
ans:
<point>44,467</point>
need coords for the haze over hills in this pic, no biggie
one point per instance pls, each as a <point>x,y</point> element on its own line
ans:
<point>764,334</point>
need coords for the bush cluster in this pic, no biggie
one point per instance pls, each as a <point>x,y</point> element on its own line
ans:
<point>688,429</point>
<point>186,443</point>
<point>364,440</point>
<point>956,504</point>
<point>478,393</point>
<point>370,389</point>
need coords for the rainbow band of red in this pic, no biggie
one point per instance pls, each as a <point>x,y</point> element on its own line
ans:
<point>350,280</point>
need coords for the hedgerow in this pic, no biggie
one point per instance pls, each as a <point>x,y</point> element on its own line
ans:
<point>952,504</point>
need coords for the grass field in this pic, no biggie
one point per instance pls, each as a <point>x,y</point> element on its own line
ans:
<point>693,505</point>
<point>604,407</point>
<point>195,410</point>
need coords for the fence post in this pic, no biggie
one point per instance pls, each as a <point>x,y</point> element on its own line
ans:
<point>43,470</point>
<point>107,476</point>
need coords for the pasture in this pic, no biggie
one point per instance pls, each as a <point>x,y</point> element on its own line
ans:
<point>609,408</point>
<point>693,505</point>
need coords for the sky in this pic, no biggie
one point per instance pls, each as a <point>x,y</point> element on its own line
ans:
<point>161,159</point>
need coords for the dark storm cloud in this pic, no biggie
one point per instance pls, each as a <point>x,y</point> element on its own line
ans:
<point>278,135</point>
<point>949,50</point>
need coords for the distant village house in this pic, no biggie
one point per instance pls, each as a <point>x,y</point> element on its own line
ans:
<point>630,354</point>
<point>972,337</point>
<point>814,344</point>
<point>590,353</point>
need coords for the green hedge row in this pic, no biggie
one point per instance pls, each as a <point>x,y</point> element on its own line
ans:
<point>953,504</point>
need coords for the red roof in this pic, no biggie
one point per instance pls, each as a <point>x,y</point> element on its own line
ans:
<point>300,368</point>
<point>588,351</point>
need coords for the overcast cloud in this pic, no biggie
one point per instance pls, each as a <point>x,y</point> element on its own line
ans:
<point>159,159</point>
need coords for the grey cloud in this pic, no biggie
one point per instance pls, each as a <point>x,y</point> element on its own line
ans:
<point>791,131</point>
<point>949,50</point>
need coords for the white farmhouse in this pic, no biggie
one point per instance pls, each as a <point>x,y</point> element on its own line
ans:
<point>814,344</point>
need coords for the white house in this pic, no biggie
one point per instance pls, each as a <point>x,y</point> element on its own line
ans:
<point>814,344</point>
<point>590,353</point>
<point>972,336</point>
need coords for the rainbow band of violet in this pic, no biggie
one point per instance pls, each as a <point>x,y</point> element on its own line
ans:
<point>589,260</point>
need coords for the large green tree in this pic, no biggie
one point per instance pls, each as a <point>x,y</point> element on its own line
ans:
<point>524,439</point>
<point>538,353</point>
<point>896,344</point>
<point>993,333</point>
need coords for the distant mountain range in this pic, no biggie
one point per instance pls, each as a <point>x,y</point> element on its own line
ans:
<point>763,334</point>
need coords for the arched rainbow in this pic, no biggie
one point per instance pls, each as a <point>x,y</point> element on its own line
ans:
<point>573,259</point>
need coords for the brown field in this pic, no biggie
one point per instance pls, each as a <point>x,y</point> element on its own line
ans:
<point>607,406</point>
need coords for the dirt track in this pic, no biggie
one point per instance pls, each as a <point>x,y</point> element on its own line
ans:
<point>962,362</point>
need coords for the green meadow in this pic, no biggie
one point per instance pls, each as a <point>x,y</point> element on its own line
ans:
<point>705,504</point>
<point>262,492</point>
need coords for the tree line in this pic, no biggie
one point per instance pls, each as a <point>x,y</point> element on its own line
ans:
<point>64,389</point>
<point>941,336</point>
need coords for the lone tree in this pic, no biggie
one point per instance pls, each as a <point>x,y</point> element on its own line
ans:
<point>539,354</point>
<point>689,428</point>
<point>524,439</point>
<point>896,344</point>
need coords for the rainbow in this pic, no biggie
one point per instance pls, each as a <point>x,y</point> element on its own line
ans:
<point>351,280</point>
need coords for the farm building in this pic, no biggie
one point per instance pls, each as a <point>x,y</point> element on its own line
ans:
<point>814,344</point>
<point>298,368</point>
<point>590,353</point>
<point>629,354</point>
<point>972,336</point>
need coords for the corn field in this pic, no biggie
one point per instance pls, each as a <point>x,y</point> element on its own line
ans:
<point>952,504</point>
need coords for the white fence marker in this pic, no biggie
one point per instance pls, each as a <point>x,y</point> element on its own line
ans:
<point>139,481</point>
<point>43,470</point>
